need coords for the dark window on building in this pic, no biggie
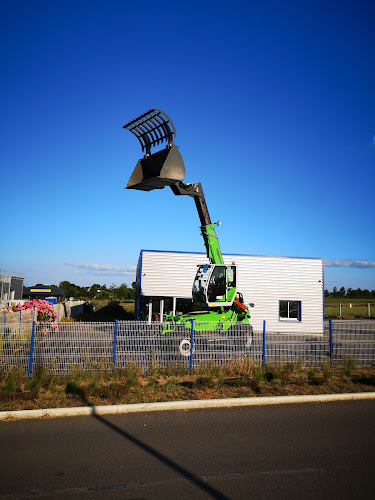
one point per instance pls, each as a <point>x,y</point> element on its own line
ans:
<point>290,309</point>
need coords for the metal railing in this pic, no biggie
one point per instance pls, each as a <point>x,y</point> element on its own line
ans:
<point>108,346</point>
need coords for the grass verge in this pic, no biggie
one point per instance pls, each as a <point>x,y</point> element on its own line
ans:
<point>240,378</point>
<point>350,308</point>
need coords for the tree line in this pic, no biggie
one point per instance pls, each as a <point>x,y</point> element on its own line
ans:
<point>350,293</point>
<point>123,292</point>
<point>120,293</point>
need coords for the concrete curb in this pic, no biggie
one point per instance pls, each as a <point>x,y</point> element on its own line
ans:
<point>180,405</point>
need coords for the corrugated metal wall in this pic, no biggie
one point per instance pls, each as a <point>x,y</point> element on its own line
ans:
<point>262,280</point>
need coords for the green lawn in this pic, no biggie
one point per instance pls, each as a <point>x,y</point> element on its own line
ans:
<point>350,308</point>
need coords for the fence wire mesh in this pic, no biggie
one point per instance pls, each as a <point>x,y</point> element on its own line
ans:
<point>15,345</point>
<point>309,349</point>
<point>355,339</point>
<point>109,346</point>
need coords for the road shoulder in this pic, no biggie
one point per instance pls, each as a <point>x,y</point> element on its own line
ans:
<point>180,405</point>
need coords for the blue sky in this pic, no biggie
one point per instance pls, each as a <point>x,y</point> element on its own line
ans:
<point>274,107</point>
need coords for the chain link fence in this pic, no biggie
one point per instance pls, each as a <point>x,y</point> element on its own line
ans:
<point>109,346</point>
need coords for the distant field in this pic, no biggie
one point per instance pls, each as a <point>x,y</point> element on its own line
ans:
<point>350,308</point>
<point>128,306</point>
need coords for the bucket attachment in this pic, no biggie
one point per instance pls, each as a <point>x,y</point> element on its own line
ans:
<point>160,169</point>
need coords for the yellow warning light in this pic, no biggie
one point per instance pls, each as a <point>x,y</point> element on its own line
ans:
<point>233,263</point>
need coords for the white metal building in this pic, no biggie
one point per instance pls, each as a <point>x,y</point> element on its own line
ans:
<point>11,286</point>
<point>287,292</point>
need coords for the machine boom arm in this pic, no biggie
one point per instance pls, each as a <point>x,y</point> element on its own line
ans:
<point>210,239</point>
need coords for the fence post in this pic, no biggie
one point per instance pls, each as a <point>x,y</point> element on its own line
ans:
<point>368,306</point>
<point>161,309</point>
<point>264,343</point>
<point>330,343</point>
<point>32,344</point>
<point>114,348</point>
<point>19,324</point>
<point>191,344</point>
<point>149,313</point>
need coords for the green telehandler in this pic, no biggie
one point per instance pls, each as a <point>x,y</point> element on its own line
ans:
<point>218,314</point>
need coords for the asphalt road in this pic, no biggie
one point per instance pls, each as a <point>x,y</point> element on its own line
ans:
<point>324,450</point>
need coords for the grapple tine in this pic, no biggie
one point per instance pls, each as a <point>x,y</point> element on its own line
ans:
<point>152,128</point>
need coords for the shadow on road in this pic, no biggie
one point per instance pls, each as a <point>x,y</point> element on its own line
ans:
<point>189,476</point>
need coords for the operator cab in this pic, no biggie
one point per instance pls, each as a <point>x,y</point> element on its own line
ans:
<point>214,285</point>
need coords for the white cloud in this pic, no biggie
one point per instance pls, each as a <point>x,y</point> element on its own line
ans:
<point>359,264</point>
<point>103,269</point>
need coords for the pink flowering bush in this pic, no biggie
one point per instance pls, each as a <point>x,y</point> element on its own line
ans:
<point>44,310</point>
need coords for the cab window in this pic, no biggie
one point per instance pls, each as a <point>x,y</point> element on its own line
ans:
<point>217,285</point>
<point>231,276</point>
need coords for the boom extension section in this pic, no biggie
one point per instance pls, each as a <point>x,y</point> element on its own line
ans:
<point>207,227</point>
